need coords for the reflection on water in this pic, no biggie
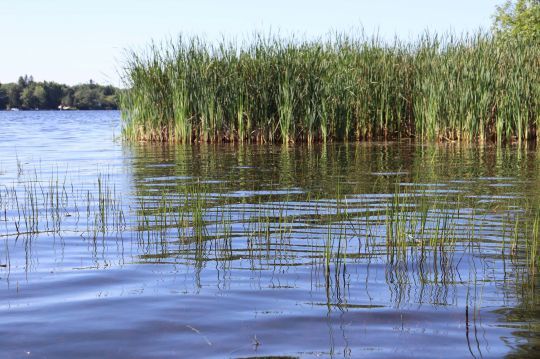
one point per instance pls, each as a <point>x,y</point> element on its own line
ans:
<point>338,250</point>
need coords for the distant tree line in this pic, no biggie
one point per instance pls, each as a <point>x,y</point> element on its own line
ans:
<point>28,94</point>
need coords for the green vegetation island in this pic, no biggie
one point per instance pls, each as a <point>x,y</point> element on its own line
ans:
<point>344,89</point>
<point>475,87</point>
<point>27,94</point>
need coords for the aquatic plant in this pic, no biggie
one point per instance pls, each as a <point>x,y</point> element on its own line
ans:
<point>416,232</point>
<point>468,88</point>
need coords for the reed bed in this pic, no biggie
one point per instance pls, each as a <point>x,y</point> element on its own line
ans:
<point>345,88</point>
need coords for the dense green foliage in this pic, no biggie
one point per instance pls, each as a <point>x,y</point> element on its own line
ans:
<point>469,88</point>
<point>28,94</point>
<point>519,18</point>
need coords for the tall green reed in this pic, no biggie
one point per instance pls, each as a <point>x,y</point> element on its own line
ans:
<point>467,88</point>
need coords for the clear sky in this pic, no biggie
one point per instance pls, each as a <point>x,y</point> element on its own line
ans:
<point>73,41</point>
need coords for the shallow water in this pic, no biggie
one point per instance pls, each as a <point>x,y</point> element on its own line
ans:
<point>116,250</point>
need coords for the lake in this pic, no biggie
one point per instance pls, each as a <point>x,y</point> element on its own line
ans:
<point>111,249</point>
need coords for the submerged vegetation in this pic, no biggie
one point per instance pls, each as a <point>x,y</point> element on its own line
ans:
<point>469,88</point>
<point>421,235</point>
<point>339,229</point>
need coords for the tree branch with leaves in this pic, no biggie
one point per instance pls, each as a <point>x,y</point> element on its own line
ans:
<point>518,19</point>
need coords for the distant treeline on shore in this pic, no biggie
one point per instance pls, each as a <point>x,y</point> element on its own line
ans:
<point>27,94</point>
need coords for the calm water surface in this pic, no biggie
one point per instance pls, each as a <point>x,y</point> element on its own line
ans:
<point>360,250</point>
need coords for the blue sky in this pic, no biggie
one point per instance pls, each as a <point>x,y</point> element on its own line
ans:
<point>72,41</point>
